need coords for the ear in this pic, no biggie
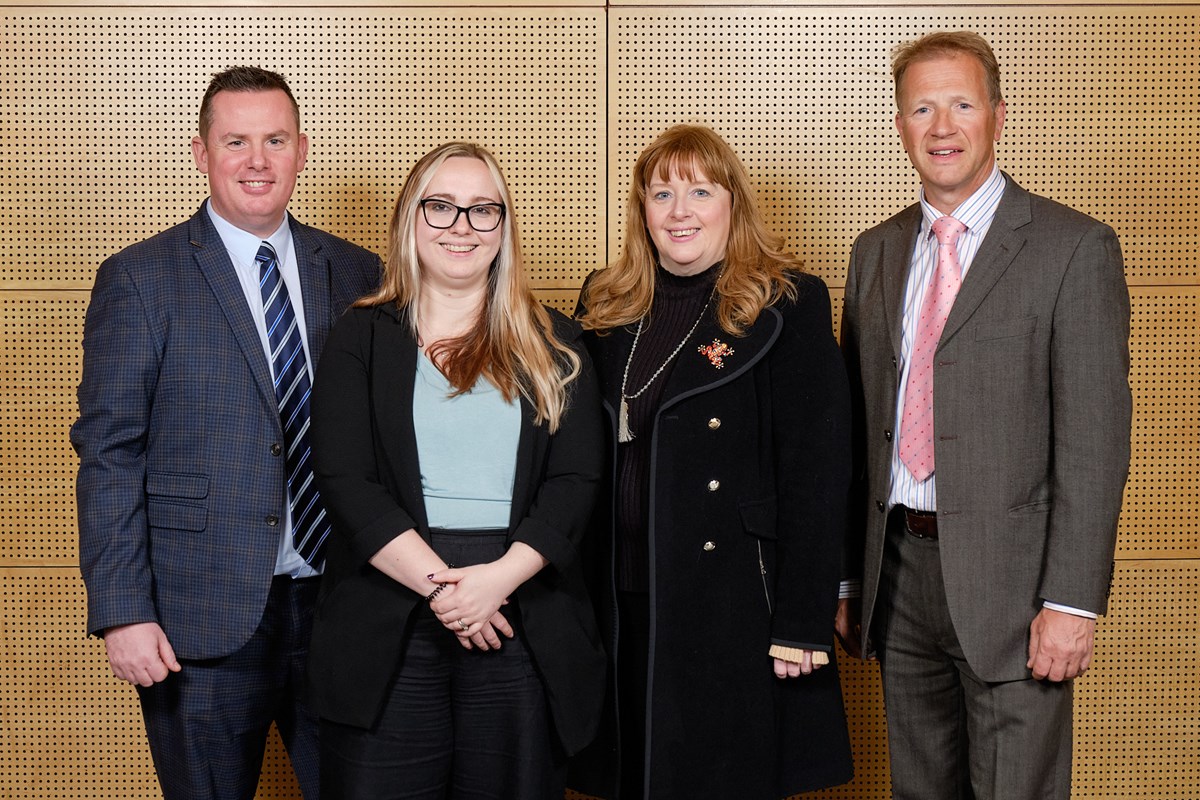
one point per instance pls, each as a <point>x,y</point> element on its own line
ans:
<point>200,154</point>
<point>1000,109</point>
<point>302,152</point>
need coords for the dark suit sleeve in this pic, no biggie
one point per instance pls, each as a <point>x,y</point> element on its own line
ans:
<point>811,414</point>
<point>346,466</point>
<point>1091,408</point>
<point>563,502</point>
<point>121,356</point>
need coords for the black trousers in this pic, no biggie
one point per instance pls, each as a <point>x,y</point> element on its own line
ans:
<point>458,724</point>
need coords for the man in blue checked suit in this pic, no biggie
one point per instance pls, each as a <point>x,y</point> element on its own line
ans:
<point>200,532</point>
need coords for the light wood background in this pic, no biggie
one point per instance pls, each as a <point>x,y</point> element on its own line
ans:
<point>98,103</point>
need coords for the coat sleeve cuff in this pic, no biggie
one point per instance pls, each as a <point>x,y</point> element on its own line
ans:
<point>796,654</point>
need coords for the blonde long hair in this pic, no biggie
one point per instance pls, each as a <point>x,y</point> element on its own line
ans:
<point>756,266</point>
<point>512,344</point>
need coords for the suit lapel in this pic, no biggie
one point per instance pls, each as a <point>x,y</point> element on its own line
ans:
<point>314,285</point>
<point>212,259</point>
<point>393,371</point>
<point>895,261</point>
<point>997,252</point>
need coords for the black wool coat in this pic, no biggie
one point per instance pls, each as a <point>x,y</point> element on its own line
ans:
<point>366,466</point>
<point>748,484</point>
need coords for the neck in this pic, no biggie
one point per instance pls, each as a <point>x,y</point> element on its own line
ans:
<point>447,315</point>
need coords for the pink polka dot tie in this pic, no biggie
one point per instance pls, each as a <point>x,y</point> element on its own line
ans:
<point>916,424</point>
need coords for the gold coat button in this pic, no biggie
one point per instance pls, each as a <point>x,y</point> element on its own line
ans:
<point>710,546</point>
<point>714,423</point>
<point>713,485</point>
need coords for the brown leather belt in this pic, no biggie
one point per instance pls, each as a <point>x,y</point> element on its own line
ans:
<point>920,524</point>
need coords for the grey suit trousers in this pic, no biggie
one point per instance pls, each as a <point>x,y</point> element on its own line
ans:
<point>1011,739</point>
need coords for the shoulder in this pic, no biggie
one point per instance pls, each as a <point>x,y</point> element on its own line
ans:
<point>566,329</point>
<point>809,294</point>
<point>334,247</point>
<point>148,255</point>
<point>889,227</point>
<point>1051,213</point>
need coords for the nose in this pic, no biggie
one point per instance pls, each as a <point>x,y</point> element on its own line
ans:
<point>943,122</point>
<point>679,207</point>
<point>258,156</point>
<point>461,223</point>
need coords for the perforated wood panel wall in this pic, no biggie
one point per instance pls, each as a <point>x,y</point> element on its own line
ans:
<point>97,105</point>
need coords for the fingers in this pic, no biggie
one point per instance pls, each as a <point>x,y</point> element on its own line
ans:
<point>449,575</point>
<point>787,669</point>
<point>500,623</point>
<point>1060,645</point>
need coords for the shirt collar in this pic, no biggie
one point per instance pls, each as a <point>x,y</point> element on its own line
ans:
<point>243,245</point>
<point>975,212</point>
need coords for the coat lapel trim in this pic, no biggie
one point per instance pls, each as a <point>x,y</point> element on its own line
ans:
<point>213,261</point>
<point>693,373</point>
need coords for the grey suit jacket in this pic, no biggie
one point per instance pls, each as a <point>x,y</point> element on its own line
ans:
<point>181,485</point>
<point>1032,418</point>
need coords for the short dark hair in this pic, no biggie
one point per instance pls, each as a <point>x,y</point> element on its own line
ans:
<point>949,43</point>
<point>243,79</point>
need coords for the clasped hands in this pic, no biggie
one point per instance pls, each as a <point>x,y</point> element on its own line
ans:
<point>472,597</point>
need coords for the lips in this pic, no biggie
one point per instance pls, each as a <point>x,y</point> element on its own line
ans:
<point>684,233</point>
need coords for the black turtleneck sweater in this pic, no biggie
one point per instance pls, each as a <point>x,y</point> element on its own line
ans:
<point>678,303</point>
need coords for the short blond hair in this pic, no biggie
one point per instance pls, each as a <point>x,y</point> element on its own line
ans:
<point>949,43</point>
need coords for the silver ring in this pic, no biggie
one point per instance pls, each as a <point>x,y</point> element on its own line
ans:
<point>463,625</point>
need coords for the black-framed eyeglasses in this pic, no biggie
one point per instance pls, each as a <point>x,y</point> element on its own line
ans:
<point>483,217</point>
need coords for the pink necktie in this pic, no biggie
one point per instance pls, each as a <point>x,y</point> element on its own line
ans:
<point>916,425</point>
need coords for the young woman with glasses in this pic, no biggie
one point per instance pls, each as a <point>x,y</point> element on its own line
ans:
<point>456,434</point>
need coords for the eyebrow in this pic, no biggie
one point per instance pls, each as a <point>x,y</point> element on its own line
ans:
<point>280,134</point>
<point>477,201</point>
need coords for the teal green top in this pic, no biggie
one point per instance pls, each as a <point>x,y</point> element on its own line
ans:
<point>467,448</point>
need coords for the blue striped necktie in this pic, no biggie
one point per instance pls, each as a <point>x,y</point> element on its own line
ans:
<point>310,524</point>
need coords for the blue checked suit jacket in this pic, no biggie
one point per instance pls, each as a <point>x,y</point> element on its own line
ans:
<point>181,485</point>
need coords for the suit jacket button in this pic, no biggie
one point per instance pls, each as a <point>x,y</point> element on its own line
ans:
<point>881,505</point>
<point>887,435</point>
<point>272,520</point>
<point>276,449</point>
<point>714,423</point>
<point>710,546</point>
<point>713,485</point>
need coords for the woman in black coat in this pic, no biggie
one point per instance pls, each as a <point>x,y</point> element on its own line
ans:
<point>457,440</point>
<point>722,536</point>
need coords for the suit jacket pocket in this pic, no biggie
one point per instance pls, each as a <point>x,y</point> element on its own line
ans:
<point>1036,507</point>
<point>176,501</point>
<point>1005,329</point>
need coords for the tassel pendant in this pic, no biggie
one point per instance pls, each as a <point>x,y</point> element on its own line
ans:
<point>623,434</point>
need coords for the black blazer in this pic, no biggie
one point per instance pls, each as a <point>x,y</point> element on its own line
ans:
<point>366,466</point>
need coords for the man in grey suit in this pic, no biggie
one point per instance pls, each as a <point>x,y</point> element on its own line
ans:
<point>200,533</point>
<point>986,334</point>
